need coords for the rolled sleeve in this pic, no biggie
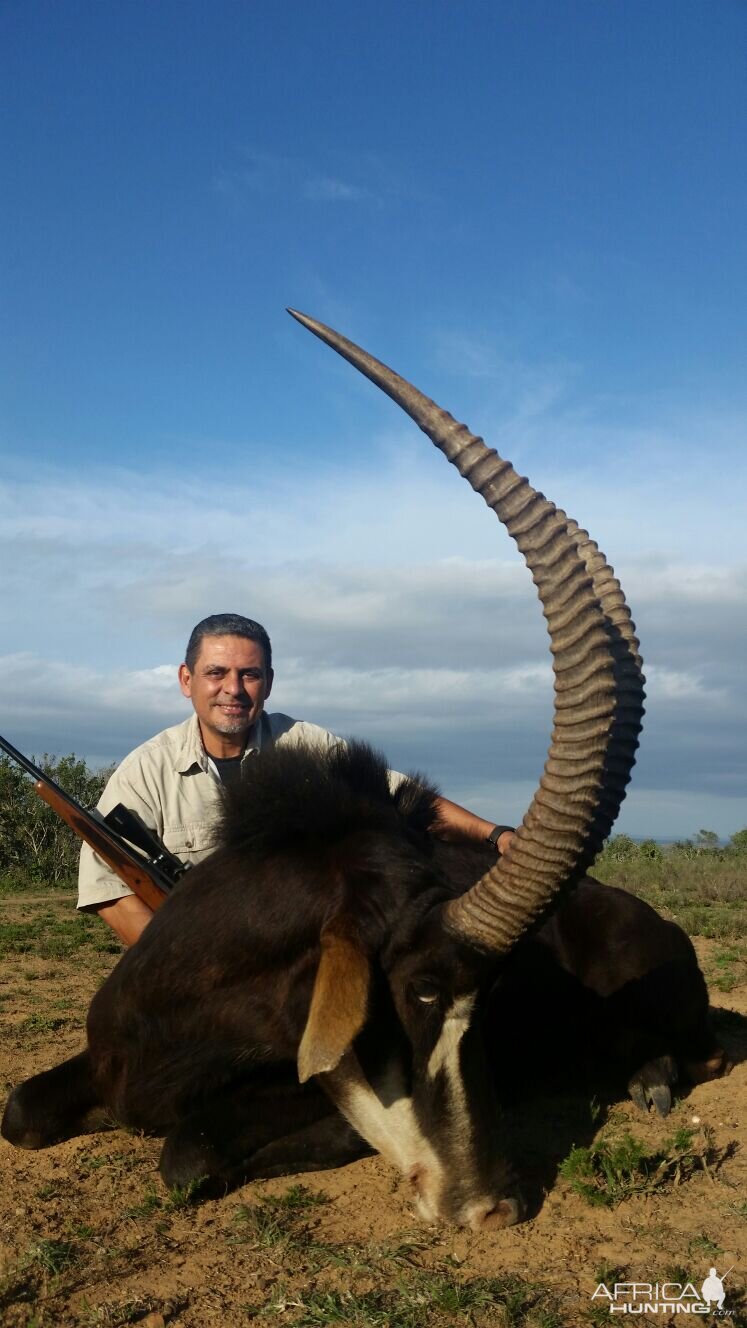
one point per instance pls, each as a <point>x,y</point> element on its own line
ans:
<point>97,883</point>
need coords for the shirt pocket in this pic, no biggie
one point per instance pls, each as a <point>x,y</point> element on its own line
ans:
<point>191,843</point>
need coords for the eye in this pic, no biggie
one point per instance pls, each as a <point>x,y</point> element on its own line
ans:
<point>425,991</point>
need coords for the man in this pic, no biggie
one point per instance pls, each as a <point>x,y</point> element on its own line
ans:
<point>173,781</point>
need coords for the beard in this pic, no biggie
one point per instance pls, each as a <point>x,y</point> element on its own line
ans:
<point>228,725</point>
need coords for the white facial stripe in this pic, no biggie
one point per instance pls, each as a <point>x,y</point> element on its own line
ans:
<point>445,1054</point>
<point>394,1130</point>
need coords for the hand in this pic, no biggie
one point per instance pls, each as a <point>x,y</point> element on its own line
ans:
<point>504,841</point>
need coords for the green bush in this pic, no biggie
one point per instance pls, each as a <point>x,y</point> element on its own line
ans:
<point>738,842</point>
<point>620,848</point>
<point>685,848</point>
<point>36,846</point>
<point>610,1171</point>
<point>650,850</point>
<point>704,845</point>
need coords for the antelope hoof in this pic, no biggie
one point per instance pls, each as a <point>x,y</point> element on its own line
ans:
<point>651,1086</point>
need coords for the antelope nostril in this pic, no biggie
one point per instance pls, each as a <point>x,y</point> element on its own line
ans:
<point>415,1176</point>
<point>504,1213</point>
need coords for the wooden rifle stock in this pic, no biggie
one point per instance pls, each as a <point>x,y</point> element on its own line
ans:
<point>129,868</point>
<point>151,877</point>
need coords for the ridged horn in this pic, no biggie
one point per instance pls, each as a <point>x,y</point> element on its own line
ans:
<point>598,679</point>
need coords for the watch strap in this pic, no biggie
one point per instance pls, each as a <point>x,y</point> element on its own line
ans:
<point>496,833</point>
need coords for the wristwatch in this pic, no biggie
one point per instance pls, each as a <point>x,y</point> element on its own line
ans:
<point>496,833</point>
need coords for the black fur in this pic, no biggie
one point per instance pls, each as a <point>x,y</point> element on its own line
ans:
<point>206,1012</point>
<point>291,794</point>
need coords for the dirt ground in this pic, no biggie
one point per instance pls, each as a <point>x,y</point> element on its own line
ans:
<point>89,1236</point>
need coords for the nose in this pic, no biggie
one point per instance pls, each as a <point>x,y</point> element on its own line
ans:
<point>232,684</point>
<point>487,1213</point>
<point>478,1214</point>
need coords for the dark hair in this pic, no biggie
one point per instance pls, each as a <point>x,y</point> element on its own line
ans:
<point>227,624</point>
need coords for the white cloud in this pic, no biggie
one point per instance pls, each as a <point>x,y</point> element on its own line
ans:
<point>437,698</point>
<point>32,687</point>
<point>325,189</point>
<point>398,608</point>
<point>481,732</point>
<point>521,390</point>
<point>691,584</point>
<point>36,687</point>
<point>267,173</point>
<point>663,684</point>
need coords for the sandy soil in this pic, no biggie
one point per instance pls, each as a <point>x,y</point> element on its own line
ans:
<point>89,1236</point>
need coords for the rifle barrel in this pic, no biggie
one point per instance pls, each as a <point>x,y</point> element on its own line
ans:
<point>150,880</point>
<point>29,766</point>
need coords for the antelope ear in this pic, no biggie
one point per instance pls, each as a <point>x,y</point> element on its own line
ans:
<point>339,1002</point>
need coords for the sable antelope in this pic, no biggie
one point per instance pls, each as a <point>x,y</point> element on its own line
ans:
<point>328,952</point>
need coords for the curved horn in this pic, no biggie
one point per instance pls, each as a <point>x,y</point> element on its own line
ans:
<point>598,679</point>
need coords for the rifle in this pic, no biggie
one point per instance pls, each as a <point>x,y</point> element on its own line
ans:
<point>124,842</point>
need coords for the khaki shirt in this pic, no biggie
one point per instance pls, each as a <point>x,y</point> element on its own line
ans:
<point>171,785</point>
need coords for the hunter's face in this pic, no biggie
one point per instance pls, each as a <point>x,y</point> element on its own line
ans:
<point>228,688</point>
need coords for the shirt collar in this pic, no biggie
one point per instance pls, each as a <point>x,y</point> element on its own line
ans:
<point>192,755</point>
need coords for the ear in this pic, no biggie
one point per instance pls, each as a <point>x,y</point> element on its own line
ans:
<point>339,1002</point>
<point>185,680</point>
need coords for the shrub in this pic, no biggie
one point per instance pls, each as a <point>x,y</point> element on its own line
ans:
<point>35,844</point>
<point>650,850</point>
<point>613,1170</point>
<point>707,839</point>
<point>738,842</point>
<point>621,848</point>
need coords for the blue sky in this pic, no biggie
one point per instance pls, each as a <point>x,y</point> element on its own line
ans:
<point>533,210</point>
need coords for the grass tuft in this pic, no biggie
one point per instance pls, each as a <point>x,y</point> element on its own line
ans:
<point>275,1220</point>
<point>53,1256</point>
<point>426,1300</point>
<point>610,1171</point>
<point>184,1196</point>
